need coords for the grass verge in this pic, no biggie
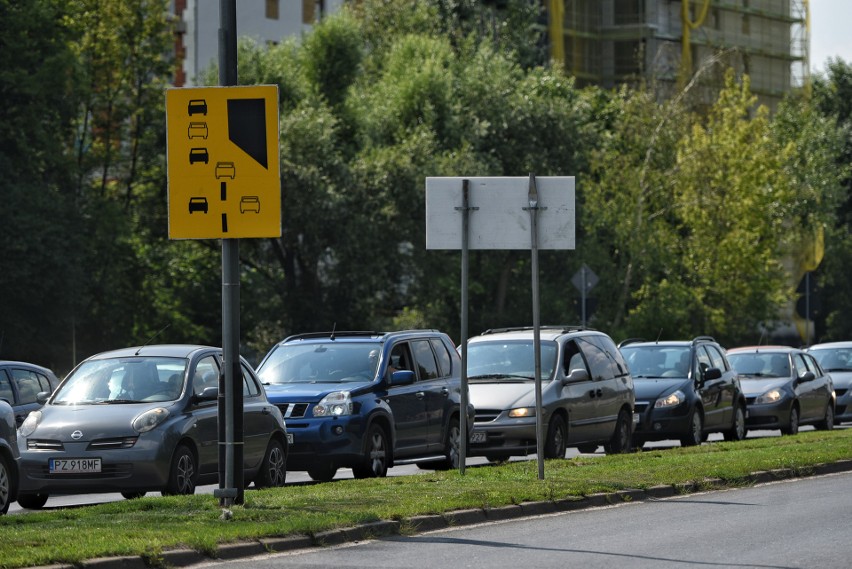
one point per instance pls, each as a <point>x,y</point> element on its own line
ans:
<point>151,525</point>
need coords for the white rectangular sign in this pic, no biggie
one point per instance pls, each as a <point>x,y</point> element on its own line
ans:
<point>501,219</point>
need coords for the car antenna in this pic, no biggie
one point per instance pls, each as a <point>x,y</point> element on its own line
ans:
<point>762,333</point>
<point>660,333</point>
<point>333,328</point>
<point>151,339</point>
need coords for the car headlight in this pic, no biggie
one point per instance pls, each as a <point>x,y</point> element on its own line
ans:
<point>149,419</point>
<point>671,400</point>
<point>522,412</point>
<point>29,425</point>
<point>334,404</point>
<point>771,396</point>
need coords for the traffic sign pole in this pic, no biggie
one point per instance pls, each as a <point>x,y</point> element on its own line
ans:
<point>231,401</point>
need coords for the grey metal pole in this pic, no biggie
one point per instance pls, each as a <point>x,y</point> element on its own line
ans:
<point>465,210</point>
<point>583,295</point>
<point>230,415</point>
<point>539,423</point>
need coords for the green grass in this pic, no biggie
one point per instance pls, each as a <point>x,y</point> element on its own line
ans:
<point>154,524</point>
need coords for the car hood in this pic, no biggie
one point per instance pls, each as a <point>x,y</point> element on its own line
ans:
<point>307,392</point>
<point>753,387</point>
<point>841,379</point>
<point>647,389</point>
<point>502,395</point>
<point>58,422</point>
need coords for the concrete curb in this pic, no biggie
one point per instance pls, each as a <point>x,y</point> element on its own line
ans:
<point>184,557</point>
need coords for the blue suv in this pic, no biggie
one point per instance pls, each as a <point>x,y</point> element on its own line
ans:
<point>367,400</point>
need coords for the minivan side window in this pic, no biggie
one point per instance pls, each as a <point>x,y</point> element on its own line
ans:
<point>425,358</point>
<point>616,360</point>
<point>599,361</point>
<point>445,363</point>
<point>573,358</point>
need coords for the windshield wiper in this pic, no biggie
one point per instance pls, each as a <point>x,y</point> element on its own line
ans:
<point>648,377</point>
<point>501,376</point>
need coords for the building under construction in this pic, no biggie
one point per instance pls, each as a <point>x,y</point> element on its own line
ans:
<point>665,43</point>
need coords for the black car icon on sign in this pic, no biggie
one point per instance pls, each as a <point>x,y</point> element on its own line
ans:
<point>198,203</point>
<point>197,107</point>
<point>199,155</point>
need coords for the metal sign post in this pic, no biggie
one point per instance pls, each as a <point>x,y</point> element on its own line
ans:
<point>230,399</point>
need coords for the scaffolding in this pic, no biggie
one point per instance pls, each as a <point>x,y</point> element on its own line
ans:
<point>663,42</point>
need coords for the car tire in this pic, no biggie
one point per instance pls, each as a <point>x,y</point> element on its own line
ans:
<point>827,422</point>
<point>376,454</point>
<point>588,449</point>
<point>322,473</point>
<point>7,485</point>
<point>497,458</point>
<point>452,448</point>
<point>32,501</point>
<point>737,431</point>
<point>273,469</point>
<point>696,430</point>
<point>182,474</point>
<point>557,437</point>
<point>620,441</point>
<point>792,426</point>
<point>132,495</point>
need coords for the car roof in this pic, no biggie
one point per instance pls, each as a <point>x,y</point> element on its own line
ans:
<point>17,363</point>
<point>155,350</point>
<point>359,336</point>
<point>641,342</point>
<point>762,349</point>
<point>831,345</point>
<point>548,332</point>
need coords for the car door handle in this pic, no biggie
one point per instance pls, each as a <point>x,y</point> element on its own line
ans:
<point>420,395</point>
<point>595,393</point>
<point>445,392</point>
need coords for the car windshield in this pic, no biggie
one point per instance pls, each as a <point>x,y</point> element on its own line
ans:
<point>509,361</point>
<point>123,380</point>
<point>654,362</point>
<point>326,362</point>
<point>757,365</point>
<point>834,360</point>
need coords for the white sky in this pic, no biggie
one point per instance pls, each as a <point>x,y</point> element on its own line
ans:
<point>831,35</point>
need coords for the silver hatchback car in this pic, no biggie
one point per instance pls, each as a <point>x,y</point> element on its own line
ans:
<point>144,419</point>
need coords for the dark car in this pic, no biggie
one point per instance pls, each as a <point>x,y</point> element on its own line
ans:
<point>835,358</point>
<point>8,457</point>
<point>367,400</point>
<point>587,392</point>
<point>21,383</point>
<point>144,419</point>
<point>685,390</point>
<point>784,387</point>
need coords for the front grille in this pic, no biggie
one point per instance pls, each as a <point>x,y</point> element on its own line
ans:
<point>109,444</point>
<point>640,406</point>
<point>44,444</point>
<point>293,410</point>
<point>486,415</point>
<point>750,400</point>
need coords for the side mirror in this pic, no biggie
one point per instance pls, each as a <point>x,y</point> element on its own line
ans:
<point>402,377</point>
<point>42,397</point>
<point>576,376</point>
<point>207,394</point>
<point>712,373</point>
<point>807,376</point>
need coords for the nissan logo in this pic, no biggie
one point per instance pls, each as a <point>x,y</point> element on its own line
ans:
<point>77,435</point>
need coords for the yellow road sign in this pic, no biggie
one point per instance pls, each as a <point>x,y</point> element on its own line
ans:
<point>222,159</point>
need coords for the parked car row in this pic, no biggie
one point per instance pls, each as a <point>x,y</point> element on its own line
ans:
<point>144,419</point>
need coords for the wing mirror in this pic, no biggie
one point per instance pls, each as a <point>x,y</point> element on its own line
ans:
<point>207,394</point>
<point>402,377</point>
<point>577,375</point>
<point>807,376</point>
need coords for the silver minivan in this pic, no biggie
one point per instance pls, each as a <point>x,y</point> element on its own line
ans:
<point>587,392</point>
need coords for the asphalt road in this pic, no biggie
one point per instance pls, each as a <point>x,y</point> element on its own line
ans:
<point>64,501</point>
<point>793,524</point>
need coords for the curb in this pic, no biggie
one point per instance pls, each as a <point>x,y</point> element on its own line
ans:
<point>184,557</point>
